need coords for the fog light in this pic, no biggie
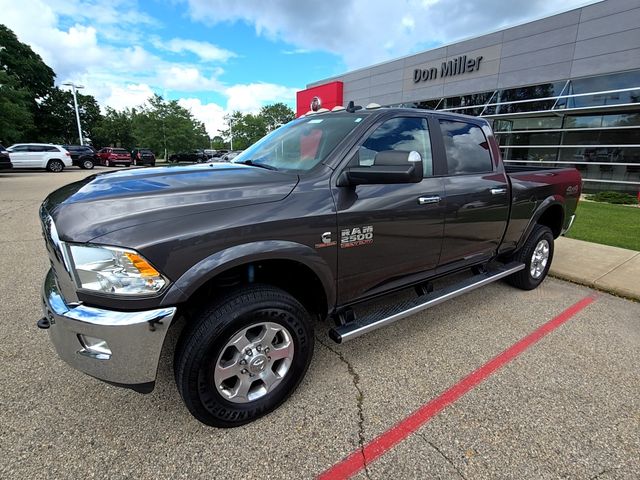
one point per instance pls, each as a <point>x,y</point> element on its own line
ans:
<point>94,347</point>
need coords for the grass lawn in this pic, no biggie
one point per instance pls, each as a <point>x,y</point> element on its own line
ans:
<point>608,224</point>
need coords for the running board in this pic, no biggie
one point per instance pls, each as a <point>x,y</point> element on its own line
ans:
<point>393,313</point>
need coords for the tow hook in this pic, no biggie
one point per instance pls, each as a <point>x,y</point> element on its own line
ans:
<point>44,323</point>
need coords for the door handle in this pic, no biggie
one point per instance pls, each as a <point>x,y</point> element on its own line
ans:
<point>498,191</point>
<point>429,200</point>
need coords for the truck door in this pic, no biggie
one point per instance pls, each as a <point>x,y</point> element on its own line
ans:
<point>393,232</point>
<point>477,194</point>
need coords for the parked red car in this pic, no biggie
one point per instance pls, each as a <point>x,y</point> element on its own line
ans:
<point>110,156</point>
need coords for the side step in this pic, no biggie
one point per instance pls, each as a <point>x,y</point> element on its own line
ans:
<point>393,313</point>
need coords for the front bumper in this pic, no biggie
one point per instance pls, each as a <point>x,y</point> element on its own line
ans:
<point>134,339</point>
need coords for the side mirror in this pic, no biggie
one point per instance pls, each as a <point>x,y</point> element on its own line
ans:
<point>389,166</point>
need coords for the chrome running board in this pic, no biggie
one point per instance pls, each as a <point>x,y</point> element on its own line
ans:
<point>398,311</point>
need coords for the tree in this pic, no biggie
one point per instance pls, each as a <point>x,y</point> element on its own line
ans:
<point>25,81</point>
<point>57,117</point>
<point>26,66</point>
<point>218,143</point>
<point>276,115</point>
<point>16,117</point>
<point>245,129</point>
<point>115,129</point>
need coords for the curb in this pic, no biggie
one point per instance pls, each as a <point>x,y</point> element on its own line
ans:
<point>579,281</point>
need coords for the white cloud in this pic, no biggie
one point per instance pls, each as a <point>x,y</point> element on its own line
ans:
<point>188,79</point>
<point>204,50</point>
<point>247,98</point>
<point>211,114</point>
<point>252,96</point>
<point>363,32</point>
<point>121,97</point>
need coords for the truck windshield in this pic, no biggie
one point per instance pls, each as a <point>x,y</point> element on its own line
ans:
<point>300,145</point>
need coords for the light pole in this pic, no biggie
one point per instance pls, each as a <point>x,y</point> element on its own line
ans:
<point>231,132</point>
<point>75,87</point>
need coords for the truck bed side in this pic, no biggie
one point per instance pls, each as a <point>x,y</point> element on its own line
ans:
<point>540,195</point>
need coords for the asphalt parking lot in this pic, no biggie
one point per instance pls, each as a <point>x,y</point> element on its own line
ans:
<point>567,407</point>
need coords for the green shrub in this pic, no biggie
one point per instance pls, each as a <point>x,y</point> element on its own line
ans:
<point>614,197</point>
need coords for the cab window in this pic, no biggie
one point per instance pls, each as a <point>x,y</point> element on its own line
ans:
<point>402,133</point>
<point>466,147</point>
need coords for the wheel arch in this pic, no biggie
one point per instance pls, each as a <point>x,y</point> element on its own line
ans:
<point>294,267</point>
<point>550,212</point>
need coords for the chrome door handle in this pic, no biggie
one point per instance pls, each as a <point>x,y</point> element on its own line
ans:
<point>428,200</point>
<point>498,191</point>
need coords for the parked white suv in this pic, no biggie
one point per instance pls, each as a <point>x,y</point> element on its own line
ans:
<point>39,155</point>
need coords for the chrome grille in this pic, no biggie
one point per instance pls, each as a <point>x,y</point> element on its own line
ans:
<point>58,257</point>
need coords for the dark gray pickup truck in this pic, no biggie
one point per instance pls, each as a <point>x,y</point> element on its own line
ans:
<point>315,221</point>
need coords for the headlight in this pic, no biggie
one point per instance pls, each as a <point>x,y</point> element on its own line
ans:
<point>115,270</point>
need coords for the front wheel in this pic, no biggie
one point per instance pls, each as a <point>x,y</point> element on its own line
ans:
<point>107,163</point>
<point>536,254</point>
<point>243,356</point>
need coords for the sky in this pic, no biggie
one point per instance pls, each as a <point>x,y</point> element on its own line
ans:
<point>217,56</point>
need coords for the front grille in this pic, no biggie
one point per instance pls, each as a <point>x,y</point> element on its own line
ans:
<point>58,257</point>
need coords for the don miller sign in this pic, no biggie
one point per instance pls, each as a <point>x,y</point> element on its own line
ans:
<point>457,66</point>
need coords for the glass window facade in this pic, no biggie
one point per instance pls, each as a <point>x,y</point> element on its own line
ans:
<point>591,123</point>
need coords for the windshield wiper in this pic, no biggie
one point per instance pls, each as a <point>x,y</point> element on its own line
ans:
<point>256,164</point>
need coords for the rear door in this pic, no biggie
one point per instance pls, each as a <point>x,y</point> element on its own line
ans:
<point>389,234</point>
<point>476,191</point>
<point>37,156</point>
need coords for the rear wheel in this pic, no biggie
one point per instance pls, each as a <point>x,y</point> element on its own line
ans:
<point>87,164</point>
<point>55,166</point>
<point>107,163</point>
<point>536,254</point>
<point>243,356</point>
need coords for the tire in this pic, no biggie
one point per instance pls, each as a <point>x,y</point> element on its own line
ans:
<point>135,163</point>
<point>127,164</point>
<point>211,394</point>
<point>87,164</point>
<point>55,166</point>
<point>107,163</point>
<point>532,254</point>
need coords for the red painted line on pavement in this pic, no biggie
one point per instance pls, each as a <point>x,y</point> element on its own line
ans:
<point>389,439</point>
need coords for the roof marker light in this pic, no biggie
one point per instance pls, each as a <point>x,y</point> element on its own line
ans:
<point>372,106</point>
<point>322,110</point>
<point>338,108</point>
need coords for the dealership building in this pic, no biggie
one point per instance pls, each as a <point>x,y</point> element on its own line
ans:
<point>562,90</point>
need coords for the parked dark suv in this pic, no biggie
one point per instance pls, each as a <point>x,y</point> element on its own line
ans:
<point>5,161</point>
<point>143,156</point>
<point>195,156</point>
<point>82,156</point>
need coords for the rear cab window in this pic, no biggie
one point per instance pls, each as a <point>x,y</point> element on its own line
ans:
<point>466,147</point>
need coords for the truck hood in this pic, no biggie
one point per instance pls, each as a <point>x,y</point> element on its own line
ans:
<point>106,202</point>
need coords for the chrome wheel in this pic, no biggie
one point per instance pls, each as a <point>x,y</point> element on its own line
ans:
<point>539,259</point>
<point>253,362</point>
<point>56,166</point>
<point>88,164</point>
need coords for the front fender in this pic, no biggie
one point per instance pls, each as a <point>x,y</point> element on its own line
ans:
<point>217,263</point>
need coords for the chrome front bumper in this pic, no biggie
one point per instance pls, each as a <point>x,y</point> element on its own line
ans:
<point>134,339</point>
